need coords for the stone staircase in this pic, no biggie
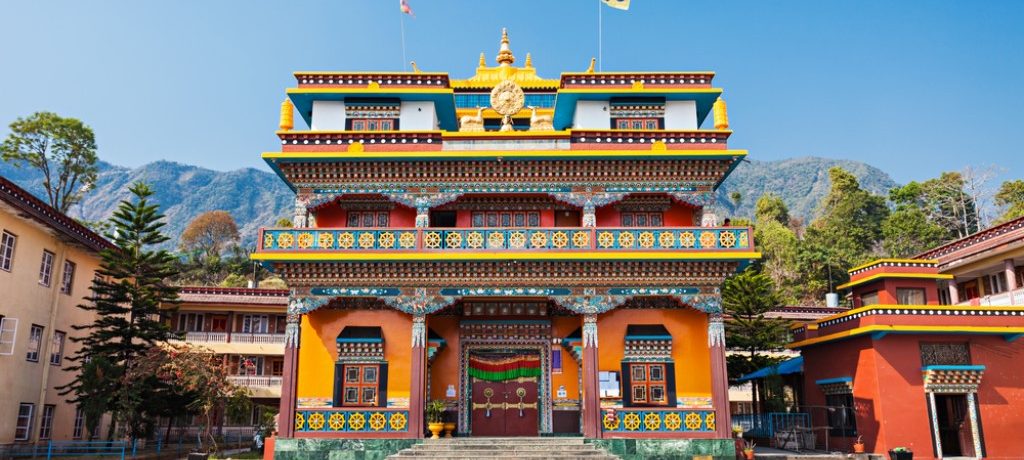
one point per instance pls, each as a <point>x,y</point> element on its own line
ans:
<point>504,448</point>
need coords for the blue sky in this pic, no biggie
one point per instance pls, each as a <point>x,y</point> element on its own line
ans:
<point>914,88</point>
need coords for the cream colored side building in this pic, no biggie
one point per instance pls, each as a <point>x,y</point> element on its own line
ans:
<point>47,264</point>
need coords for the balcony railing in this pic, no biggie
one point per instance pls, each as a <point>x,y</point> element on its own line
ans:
<point>1015,297</point>
<point>234,337</point>
<point>260,381</point>
<point>206,337</point>
<point>507,239</point>
<point>241,337</point>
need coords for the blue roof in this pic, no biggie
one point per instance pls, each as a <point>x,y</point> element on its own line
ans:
<point>789,366</point>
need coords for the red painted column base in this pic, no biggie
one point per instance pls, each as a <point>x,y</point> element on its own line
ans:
<point>720,392</point>
<point>591,394</point>
<point>417,387</point>
<point>289,386</point>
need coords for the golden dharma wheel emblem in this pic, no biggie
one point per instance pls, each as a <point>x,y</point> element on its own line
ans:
<point>507,99</point>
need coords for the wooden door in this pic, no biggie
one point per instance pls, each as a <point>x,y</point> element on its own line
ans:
<point>521,415</point>
<point>567,218</point>
<point>488,414</point>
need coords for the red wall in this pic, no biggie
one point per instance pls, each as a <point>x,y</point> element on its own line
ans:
<point>886,288</point>
<point>677,215</point>
<point>333,216</point>
<point>892,408</point>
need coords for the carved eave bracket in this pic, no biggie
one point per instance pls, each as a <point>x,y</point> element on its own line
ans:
<point>421,302</point>
<point>590,302</point>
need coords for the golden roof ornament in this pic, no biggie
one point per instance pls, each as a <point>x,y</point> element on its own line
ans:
<point>507,99</point>
<point>592,62</point>
<point>486,78</point>
<point>505,56</point>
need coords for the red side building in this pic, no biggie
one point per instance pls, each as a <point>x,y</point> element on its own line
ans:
<point>940,380</point>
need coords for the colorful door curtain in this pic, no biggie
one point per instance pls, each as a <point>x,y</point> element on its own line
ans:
<point>500,369</point>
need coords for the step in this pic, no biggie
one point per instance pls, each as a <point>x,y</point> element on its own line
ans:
<point>463,456</point>
<point>485,451</point>
<point>493,447</point>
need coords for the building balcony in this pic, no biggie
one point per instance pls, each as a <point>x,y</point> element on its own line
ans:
<point>1003,299</point>
<point>205,337</point>
<point>527,241</point>
<point>256,381</point>
<point>262,338</point>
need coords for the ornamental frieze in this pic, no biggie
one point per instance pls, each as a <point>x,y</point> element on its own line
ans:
<point>511,273</point>
<point>594,173</point>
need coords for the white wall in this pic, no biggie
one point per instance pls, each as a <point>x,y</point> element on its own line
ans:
<point>680,115</point>
<point>592,115</point>
<point>417,116</point>
<point>328,116</point>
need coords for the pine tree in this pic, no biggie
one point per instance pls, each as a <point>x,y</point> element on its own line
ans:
<point>126,298</point>
<point>747,298</point>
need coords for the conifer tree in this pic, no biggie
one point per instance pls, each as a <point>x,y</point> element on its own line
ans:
<point>127,293</point>
<point>747,298</point>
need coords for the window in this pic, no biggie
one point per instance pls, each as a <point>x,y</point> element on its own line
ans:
<point>360,385</point>
<point>46,268</point>
<point>373,124</point>
<point>255,324</point>
<point>277,368</point>
<point>24,425</point>
<point>250,365</point>
<point>506,219</point>
<point>647,384</point>
<point>190,322</point>
<point>46,425</point>
<point>909,296</point>
<point>842,419</point>
<point>35,338</point>
<point>79,423</point>
<point>995,283</point>
<point>869,298</point>
<point>371,219</point>
<point>641,219</point>
<point>7,242</point>
<point>8,334</point>
<point>57,348</point>
<point>69,277</point>
<point>637,123</point>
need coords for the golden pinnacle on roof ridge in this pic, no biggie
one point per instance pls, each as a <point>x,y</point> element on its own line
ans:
<point>505,56</point>
<point>529,61</point>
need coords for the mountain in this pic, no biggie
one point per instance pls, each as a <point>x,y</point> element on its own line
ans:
<point>258,198</point>
<point>800,182</point>
<point>254,198</point>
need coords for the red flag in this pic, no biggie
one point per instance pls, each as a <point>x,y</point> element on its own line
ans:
<point>404,6</point>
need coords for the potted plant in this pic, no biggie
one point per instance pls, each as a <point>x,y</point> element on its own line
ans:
<point>449,428</point>
<point>858,447</point>
<point>748,450</point>
<point>900,453</point>
<point>435,414</point>
<point>737,430</point>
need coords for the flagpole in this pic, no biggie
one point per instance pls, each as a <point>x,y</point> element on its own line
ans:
<point>402,19</point>
<point>600,39</point>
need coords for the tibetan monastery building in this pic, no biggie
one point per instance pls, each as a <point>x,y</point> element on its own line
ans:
<point>532,252</point>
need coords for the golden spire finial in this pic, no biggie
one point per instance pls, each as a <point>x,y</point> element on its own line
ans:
<point>720,114</point>
<point>505,56</point>
<point>483,61</point>
<point>287,121</point>
<point>592,62</point>
<point>529,61</point>
<point>414,68</point>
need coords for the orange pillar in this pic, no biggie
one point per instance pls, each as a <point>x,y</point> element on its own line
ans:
<point>286,416</point>
<point>719,376</point>
<point>417,377</point>
<point>591,390</point>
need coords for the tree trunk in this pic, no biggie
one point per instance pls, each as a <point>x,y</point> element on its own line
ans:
<point>753,387</point>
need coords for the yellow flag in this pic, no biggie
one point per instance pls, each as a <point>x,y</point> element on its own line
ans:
<point>617,4</point>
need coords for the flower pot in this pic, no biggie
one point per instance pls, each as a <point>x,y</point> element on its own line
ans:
<point>893,455</point>
<point>858,448</point>
<point>449,428</point>
<point>435,429</point>
<point>748,454</point>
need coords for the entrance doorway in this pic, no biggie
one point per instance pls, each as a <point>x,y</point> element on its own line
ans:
<point>504,397</point>
<point>954,428</point>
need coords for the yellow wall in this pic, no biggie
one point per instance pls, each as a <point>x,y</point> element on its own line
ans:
<point>25,299</point>
<point>689,329</point>
<point>318,351</point>
<point>444,370</point>
<point>561,327</point>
